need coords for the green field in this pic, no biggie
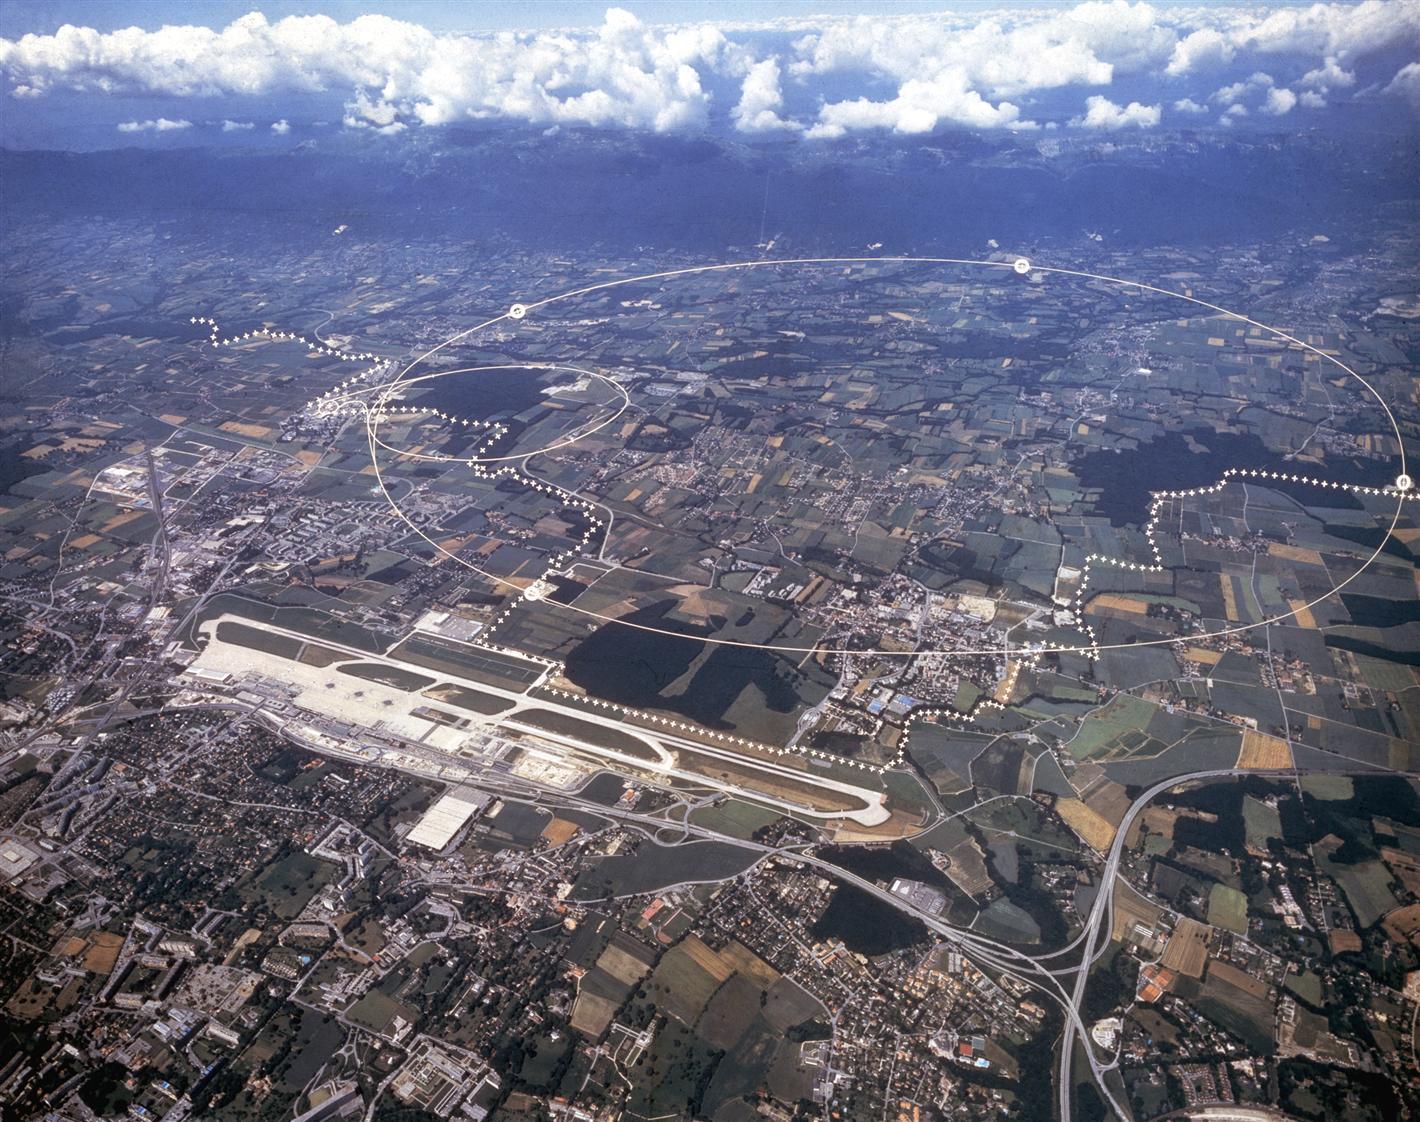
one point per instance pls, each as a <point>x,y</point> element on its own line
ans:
<point>733,817</point>
<point>1123,713</point>
<point>672,1076</point>
<point>681,985</point>
<point>257,639</point>
<point>655,867</point>
<point>477,664</point>
<point>611,739</point>
<point>393,676</point>
<point>789,1004</point>
<point>1307,986</point>
<point>1331,788</point>
<point>730,1012</point>
<point>1227,908</point>
<point>1366,884</point>
<point>475,701</point>
<point>375,1010</point>
<point>287,886</point>
<point>1262,822</point>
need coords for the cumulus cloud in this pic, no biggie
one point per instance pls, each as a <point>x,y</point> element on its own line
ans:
<point>160,124</point>
<point>906,73</point>
<point>962,69</point>
<point>1336,31</point>
<point>1202,48</point>
<point>1237,91</point>
<point>1406,84</point>
<point>1101,113</point>
<point>623,74</point>
<point>761,100</point>
<point>281,127</point>
<point>237,126</point>
<point>919,107</point>
<point>1003,54</point>
<point>1279,101</point>
<point>1327,77</point>
<point>1188,105</point>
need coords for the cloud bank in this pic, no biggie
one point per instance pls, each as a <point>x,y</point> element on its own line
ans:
<point>1101,113</point>
<point>160,124</point>
<point>918,72</point>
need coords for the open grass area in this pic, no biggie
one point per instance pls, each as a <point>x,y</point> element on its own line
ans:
<point>587,732</point>
<point>258,639</point>
<point>1366,884</point>
<point>686,978</point>
<point>1097,731</point>
<point>675,1072</point>
<point>477,664</point>
<point>1262,822</point>
<point>774,784</point>
<point>1227,908</point>
<point>287,885</point>
<point>655,867</point>
<point>734,817</point>
<point>393,676</point>
<point>730,1012</point>
<point>475,701</point>
<point>1331,788</point>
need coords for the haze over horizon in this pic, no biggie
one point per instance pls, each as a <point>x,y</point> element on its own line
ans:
<point>1102,67</point>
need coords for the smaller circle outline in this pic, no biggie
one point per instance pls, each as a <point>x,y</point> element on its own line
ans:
<point>1089,649</point>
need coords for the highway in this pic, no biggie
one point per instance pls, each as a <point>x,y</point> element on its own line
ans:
<point>999,957</point>
<point>837,799</point>
<point>1065,985</point>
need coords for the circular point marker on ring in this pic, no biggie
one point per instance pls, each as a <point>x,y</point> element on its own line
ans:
<point>1021,266</point>
<point>1404,483</point>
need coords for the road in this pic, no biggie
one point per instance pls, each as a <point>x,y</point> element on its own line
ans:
<point>1064,983</point>
<point>836,798</point>
<point>1100,920</point>
<point>995,956</point>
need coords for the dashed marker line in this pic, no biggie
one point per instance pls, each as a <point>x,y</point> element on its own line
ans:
<point>373,415</point>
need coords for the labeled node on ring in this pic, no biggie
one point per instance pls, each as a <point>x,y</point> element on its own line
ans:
<point>402,377</point>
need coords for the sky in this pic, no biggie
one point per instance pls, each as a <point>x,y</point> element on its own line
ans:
<point>85,73</point>
<point>19,17</point>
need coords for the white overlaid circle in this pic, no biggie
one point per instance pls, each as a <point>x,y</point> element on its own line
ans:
<point>1019,265</point>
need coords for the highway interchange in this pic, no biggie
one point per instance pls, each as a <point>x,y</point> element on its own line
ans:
<point>1061,975</point>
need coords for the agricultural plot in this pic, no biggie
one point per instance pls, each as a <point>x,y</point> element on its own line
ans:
<point>788,1004</point>
<point>734,817</point>
<point>730,1012</point>
<point>288,885</point>
<point>686,978</point>
<point>1104,730</point>
<point>1227,908</point>
<point>654,867</point>
<point>748,1061</point>
<point>1262,822</point>
<point>673,1074</point>
<point>1366,884</point>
